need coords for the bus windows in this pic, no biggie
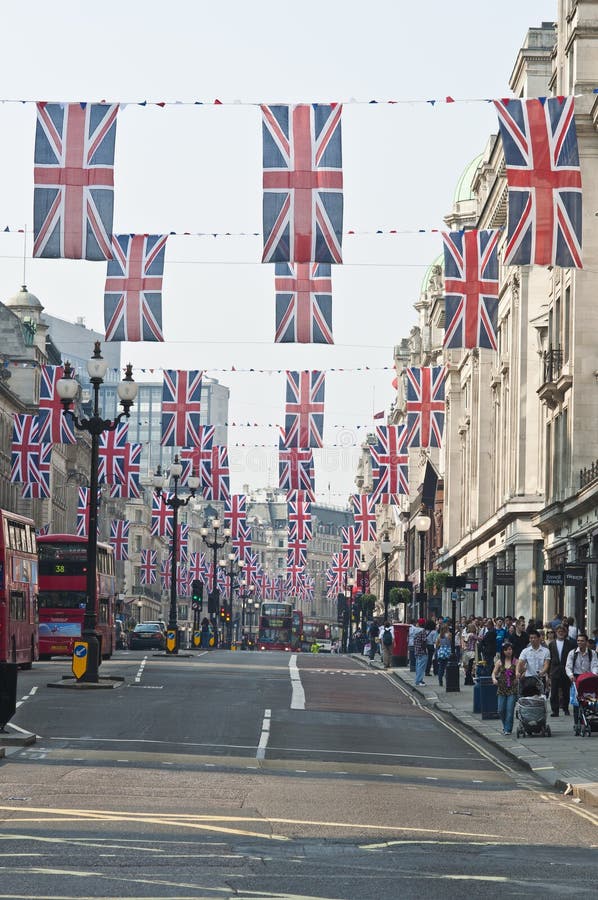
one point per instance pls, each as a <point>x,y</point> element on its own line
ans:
<point>18,606</point>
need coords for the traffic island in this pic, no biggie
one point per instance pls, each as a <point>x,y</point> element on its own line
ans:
<point>173,655</point>
<point>105,683</point>
<point>16,739</point>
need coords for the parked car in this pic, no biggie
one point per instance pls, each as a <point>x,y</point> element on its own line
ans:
<point>121,641</point>
<point>147,635</point>
<point>325,646</point>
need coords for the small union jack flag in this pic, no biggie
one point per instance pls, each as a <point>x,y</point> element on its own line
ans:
<point>303,303</point>
<point>351,546</point>
<point>192,458</point>
<point>25,449</point>
<point>74,180</point>
<point>40,490</point>
<point>294,578</point>
<point>235,512</point>
<point>165,574</point>
<point>364,516</point>
<point>181,404</point>
<point>112,454</point>
<point>215,475</point>
<point>303,183</point>
<point>304,418</point>
<point>296,551</point>
<point>544,179</point>
<point>390,464</point>
<point>242,542</point>
<point>182,581</point>
<point>299,516</point>
<point>251,566</point>
<point>161,521</point>
<point>183,542</point>
<point>195,568</point>
<point>471,288</point>
<point>148,567</point>
<point>54,426</point>
<point>43,529</point>
<point>296,471</point>
<point>337,570</point>
<point>119,538</point>
<point>133,291</point>
<point>130,473</point>
<point>425,405</point>
<point>82,526</point>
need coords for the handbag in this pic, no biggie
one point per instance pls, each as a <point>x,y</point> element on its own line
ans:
<point>573,696</point>
<point>443,652</point>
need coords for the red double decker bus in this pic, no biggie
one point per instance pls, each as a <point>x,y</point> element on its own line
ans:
<point>63,562</point>
<point>18,590</point>
<point>276,624</point>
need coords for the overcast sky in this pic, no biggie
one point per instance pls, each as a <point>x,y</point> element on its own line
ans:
<point>198,168</point>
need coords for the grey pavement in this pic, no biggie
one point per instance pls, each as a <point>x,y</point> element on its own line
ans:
<point>564,761</point>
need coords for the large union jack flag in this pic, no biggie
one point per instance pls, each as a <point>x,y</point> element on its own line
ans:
<point>40,490</point>
<point>166,574</point>
<point>544,178</point>
<point>425,405</point>
<point>74,180</point>
<point>183,541</point>
<point>112,454</point>
<point>296,471</point>
<point>471,288</point>
<point>54,426</point>
<point>235,512</point>
<point>350,545</point>
<point>198,567</point>
<point>303,303</point>
<point>192,458</point>
<point>242,542</point>
<point>390,464</point>
<point>119,538</point>
<point>296,551</point>
<point>131,468</point>
<point>25,449</point>
<point>299,516</point>
<point>161,521</point>
<point>294,580</point>
<point>133,291</point>
<point>364,516</point>
<point>303,183</point>
<point>148,567</point>
<point>214,475</point>
<point>83,497</point>
<point>304,418</point>
<point>181,404</point>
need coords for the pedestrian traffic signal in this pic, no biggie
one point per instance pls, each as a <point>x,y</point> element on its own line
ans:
<point>222,612</point>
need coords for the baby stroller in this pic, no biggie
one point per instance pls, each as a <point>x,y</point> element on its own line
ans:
<point>530,709</point>
<point>586,691</point>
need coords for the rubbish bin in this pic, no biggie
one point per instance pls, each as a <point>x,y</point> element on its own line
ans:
<point>400,652</point>
<point>486,696</point>
<point>8,692</point>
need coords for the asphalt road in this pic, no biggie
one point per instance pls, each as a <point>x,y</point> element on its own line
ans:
<point>270,776</point>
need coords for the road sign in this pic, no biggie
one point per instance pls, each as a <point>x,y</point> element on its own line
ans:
<point>80,658</point>
<point>171,640</point>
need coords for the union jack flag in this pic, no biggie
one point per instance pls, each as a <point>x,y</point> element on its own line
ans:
<point>242,542</point>
<point>43,529</point>
<point>294,578</point>
<point>544,178</point>
<point>303,183</point>
<point>147,569</point>
<point>131,466</point>
<point>261,584</point>
<point>181,404</point>
<point>278,587</point>
<point>197,568</point>
<point>390,464</point>
<point>304,419</point>
<point>183,541</point>
<point>425,405</point>
<point>119,538</point>
<point>296,471</point>
<point>40,490</point>
<point>251,567</point>
<point>235,512</point>
<point>165,574</point>
<point>192,458</point>
<point>303,303</point>
<point>133,291</point>
<point>74,180</point>
<point>336,572</point>
<point>112,454</point>
<point>215,475</point>
<point>82,526</point>
<point>299,516</point>
<point>296,551</point>
<point>25,449</point>
<point>351,546</point>
<point>471,288</point>
<point>364,516</point>
<point>182,581</point>
<point>54,426</point>
<point>161,521</point>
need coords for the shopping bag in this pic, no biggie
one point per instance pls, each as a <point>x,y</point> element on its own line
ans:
<point>366,650</point>
<point>573,696</point>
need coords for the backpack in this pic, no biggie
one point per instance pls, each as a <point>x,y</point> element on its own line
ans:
<point>387,637</point>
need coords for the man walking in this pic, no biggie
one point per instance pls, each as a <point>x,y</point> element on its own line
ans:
<point>579,661</point>
<point>559,650</point>
<point>387,638</point>
<point>420,650</point>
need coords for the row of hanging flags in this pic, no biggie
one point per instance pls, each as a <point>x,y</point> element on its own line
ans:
<point>303,215</point>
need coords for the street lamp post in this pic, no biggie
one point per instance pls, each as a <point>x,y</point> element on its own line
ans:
<point>386,550</point>
<point>244,596</point>
<point>229,606</point>
<point>139,608</point>
<point>174,502</point>
<point>95,425</point>
<point>215,545</point>
<point>422,526</point>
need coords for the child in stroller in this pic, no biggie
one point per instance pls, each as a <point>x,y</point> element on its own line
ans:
<point>530,709</point>
<point>586,698</point>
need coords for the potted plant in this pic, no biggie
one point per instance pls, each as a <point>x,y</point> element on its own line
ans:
<point>435,581</point>
<point>399,595</point>
<point>368,602</point>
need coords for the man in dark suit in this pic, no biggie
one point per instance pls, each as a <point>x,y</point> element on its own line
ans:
<point>559,682</point>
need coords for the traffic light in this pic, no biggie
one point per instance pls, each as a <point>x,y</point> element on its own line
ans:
<point>227,616</point>
<point>223,612</point>
<point>197,594</point>
<point>355,612</point>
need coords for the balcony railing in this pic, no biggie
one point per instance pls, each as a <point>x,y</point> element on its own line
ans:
<point>587,476</point>
<point>553,364</point>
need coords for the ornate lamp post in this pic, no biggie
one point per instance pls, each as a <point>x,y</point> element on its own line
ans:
<point>363,569</point>
<point>215,545</point>
<point>244,596</point>
<point>386,550</point>
<point>232,558</point>
<point>95,425</point>
<point>422,526</point>
<point>174,502</point>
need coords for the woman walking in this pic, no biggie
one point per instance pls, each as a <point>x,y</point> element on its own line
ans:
<point>505,678</point>
<point>443,651</point>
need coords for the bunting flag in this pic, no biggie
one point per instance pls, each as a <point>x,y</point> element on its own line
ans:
<point>54,426</point>
<point>390,464</point>
<point>148,567</point>
<point>215,475</point>
<point>112,454</point>
<point>40,489</point>
<point>303,183</point>
<point>25,449</point>
<point>303,303</point>
<point>119,538</point>
<point>133,291</point>
<point>296,471</point>
<point>181,405</point>
<point>130,486</point>
<point>544,180</point>
<point>192,458</point>
<point>471,288</point>
<point>364,517</point>
<point>350,546</point>
<point>165,574</point>
<point>242,542</point>
<point>299,516</point>
<point>304,414</point>
<point>73,199</point>
<point>425,405</point>
<point>161,521</point>
<point>235,512</point>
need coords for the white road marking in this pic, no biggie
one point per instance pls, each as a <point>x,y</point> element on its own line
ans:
<point>17,728</point>
<point>139,674</point>
<point>264,736</point>
<point>298,695</point>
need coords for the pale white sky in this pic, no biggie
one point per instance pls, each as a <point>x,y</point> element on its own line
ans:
<point>198,168</point>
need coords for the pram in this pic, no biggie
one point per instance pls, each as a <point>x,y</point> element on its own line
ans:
<point>586,691</point>
<point>530,709</point>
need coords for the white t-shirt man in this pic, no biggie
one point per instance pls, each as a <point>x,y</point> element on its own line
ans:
<point>578,662</point>
<point>535,660</point>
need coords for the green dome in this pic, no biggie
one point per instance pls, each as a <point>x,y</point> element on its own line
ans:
<point>439,261</point>
<point>463,189</point>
